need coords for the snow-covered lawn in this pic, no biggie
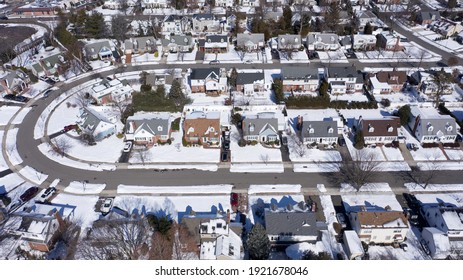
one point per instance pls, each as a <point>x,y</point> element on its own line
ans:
<point>77,187</point>
<point>33,175</point>
<point>206,189</point>
<point>357,97</point>
<point>454,154</point>
<point>441,165</point>
<point>333,57</point>
<point>233,56</point>
<point>370,187</point>
<point>414,251</point>
<point>146,58</point>
<point>257,168</point>
<point>10,146</point>
<point>392,153</point>
<point>203,99</point>
<point>296,57</point>
<point>428,154</point>
<point>401,97</point>
<point>84,214</point>
<point>10,181</point>
<point>412,187</point>
<point>7,112</point>
<point>98,64</point>
<point>330,217</point>
<point>354,202</point>
<point>62,115</point>
<point>182,57</point>
<point>296,251</point>
<point>254,154</point>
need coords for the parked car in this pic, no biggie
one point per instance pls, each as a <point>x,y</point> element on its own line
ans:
<point>341,217</point>
<point>284,141</point>
<point>29,193</point>
<point>412,201</point>
<point>226,145</point>
<point>248,61</point>
<point>46,194</point>
<point>213,62</point>
<point>106,206</point>
<point>342,142</point>
<point>21,98</point>
<point>127,146</point>
<point>9,96</point>
<point>224,156</point>
<point>47,93</point>
<point>412,146</point>
<point>69,127</point>
<point>3,17</point>
<point>234,199</point>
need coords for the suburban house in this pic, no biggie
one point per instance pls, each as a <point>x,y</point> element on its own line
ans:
<point>224,3</point>
<point>260,127</point>
<point>209,81</point>
<point>202,128</point>
<point>140,45</point>
<point>379,227</point>
<point>176,24</point>
<point>364,42</point>
<point>445,218</point>
<point>48,66</point>
<point>291,224</point>
<point>386,82</point>
<point>101,50</point>
<point>368,16</point>
<point>32,12</point>
<point>178,43</point>
<point>424,82</point>
<point>249,3</point>
<point>425,18</point>
<point>215,44</point>
<point>318,131</point>
<point>389,42</point>
<point>384,130</point>
<point>251,83</point>
<point>39,225</point>
<point>289,42</point>
<point>299,79</point>
<point>205,23</point>
<point>446,27</point>
<point>14,82</point>
<point>115,5</point>
<point>95,122</point>
<point>111,90</point>
<point>219,241</point>
<point>437,243</point>
<point>148,128</point>
<point>153,4</point>
<point>429,126</point>
<point>250,42</point>
<point>344,80</point>
<point>322,42</point>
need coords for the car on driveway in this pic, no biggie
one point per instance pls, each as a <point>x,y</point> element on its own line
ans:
<point>284,140</point>
<point>9,96</point>
<point>107,205</point>
<point>21,98</point>
<point>226,145</point>
<point>46,194</point>
<point>29,193</point>
<point>69,127</point>
<point>234,199</point>
<point>127,147</point>
<point>412,201</point>
<point>342,220</point>
<point>224,157</point>
<point>213,62</point>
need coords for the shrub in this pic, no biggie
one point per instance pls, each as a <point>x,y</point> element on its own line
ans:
<point>145,88</point>
<point>252,143</point>
<point>169,141</point>
<point>156,54</point>
<point>5,199</point>
<point>176,124</point>
<point>241,142</point>
<point>185,143</point>
<point>276,142</point>
<point>120,135</point>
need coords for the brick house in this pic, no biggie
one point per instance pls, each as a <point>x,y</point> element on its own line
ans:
<point>385,82</point>
<point>383,130</point>
<point>202,128</point>
<point>209,81</point>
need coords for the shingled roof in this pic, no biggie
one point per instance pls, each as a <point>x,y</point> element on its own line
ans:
<point>382,219</point>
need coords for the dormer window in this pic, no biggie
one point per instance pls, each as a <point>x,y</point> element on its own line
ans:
<point>449,127</point>
<point>330,130</point>
<point>159,128</point>
<point>208,40</point>
<point>390,128</point>
<point>221,40</point>
<point>311,130</point>
<point>371,128</point>
<point>211,129</point>
<point>251,128</point>
<point>430,127</point>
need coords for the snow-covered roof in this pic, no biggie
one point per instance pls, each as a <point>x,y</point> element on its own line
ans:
<point>438,242</point>
<point>353,243</point>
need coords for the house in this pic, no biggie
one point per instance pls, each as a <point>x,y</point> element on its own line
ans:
<point>154,4</point>
<point>427,17</point>
<point>96,123</point>
<point>148,128</point>
<point>209,81</point>
<point>260,127</point>
<point>389,42</point>
<point>178,43</point>
<point>364,42</point>
<point>322,42</point>
<point>353,245</point>
<point>344,80</point>
<point>48,66</point>
<point>176,24</point>
<point>251,84</point>
<point>428,126</point>
<point>110,90</point>
<point>219,241</point>
<point>39,225</point>
<point>33,12</point>
<point>99,50</point>
<point>437,242</point>
<point>250,42</point>
<point>346,42</point>
<point>446,28</point>
<point>386,82</point>
<point>115,5</point>
<point>379,227</point>
<point>423,81</point>
<point>299,79</point>
<point>292,224</point>
<point>249,3</point>
<point>224,3</point>
<point>318,131</point>
<point>205,23</point>
<point>289,42</point>
<point>140,45</point>
<point>384,130</point>
<point>228,24</point>
<point>215,44</point>
<point>202,128</point>
<point>365,17</point>
<point>445,218</point>
<point>14,82</point>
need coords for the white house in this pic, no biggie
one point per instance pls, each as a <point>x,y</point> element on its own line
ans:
<point>148,128</point>
<point>150,4</point>
<point>210,81</point>
<point>205,23</point>
<point>224,3</point>
<point>176,24</point>
<point>344,80</point>
<point>364,42</point>
<point>449,220</point>
<point>111,90</point>
<point>429,126</point>
<point>322,42</point>
<point>97,121</point>
<point>437,242</point>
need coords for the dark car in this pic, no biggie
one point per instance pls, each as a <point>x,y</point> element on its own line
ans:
<point>226,145</point>
<point>3,17</point>
<point>9,96</point>
<point>21,98</point>
<point>284,141</point>
<point>412,201</point>
<point>234,199</point>
<point>69,127</point>
<point>224,157</point>
<point>47,93</point>
<point>29,193</point>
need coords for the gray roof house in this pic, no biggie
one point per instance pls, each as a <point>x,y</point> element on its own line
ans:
<point>427,17</point>
<point>178,43</point>
<point>148,128</point>
<point>48,66</point>
<point>291,224</point>
<point>320,132</point>
<point>250,83</point>
<point>140,45</point>
<point>344,80</point>
<point>429,126</point>
<point>250,42</point>
<point>322,42</point>
<point>261,127</point>
<point>98,50</point>
<point>95,123</point>
<point>300,79</point>
<point>14,82</point>
<point>289,42</point>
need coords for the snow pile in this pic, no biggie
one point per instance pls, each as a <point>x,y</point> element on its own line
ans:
<point>413,187</point>
<point>369,187</point>
<point>257,168</point>
<point>316,167</point>
<point>321,188</point>
<point>160,166</point>
<point>161,190</point>
<point>296,251</point>
<point>81,187</point>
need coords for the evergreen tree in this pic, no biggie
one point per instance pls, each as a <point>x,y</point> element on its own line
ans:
<point>233,77</point>
<point>95,26</point>
<point>258,244</point>
<point>161,225</point>
<point>368,29</point>
<point>119,27</point>
<point>278,90</point>
<point>404,114</point>
<point>287,16</point>
<point>359,139</point>
<point>332,16</point>
<point>161,91</point>
<point>176,94</point>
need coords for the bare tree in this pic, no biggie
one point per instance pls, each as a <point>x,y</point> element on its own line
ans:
<point>127,239</point>
<point>421,55</point>
<point>123,6</point>
<point>81,99</point>
<point>264,158</point>
<point>443,81</point>
<point>184,244</point>
<point>299,147</point>
<point>143,155</point>
<point>161,247</point>
<point>61,145</point>
<point>241,52</point>
<point>120,105</point>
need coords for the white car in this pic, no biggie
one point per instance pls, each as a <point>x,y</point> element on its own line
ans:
<point>106,206</point>
<point>46,194</point>
<point>248,62</point>
<point>127,147</point>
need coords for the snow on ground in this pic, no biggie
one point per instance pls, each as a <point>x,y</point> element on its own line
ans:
<point>357,97</point>
<point>354,202</point>
<point>146,58</point>
<point>7,112</point>
<point>84,214</point>
<point>296,251</point>
<point>98,64</point>
<point>369,187</point>
<point>257,168</point>
<point>176,153</point>
<point>162,166</point>
<point>300,152</point>
<point>233,56</point>
<point>428,154</point>
<point>392,153</point>
<point>454,154</point>
<point>63,115</point>
<point>255,189</point>
<point>333,57</point>
<point>441,165</point>
<point>174,206</point>
<point>401,97</point>
<point>296,57</point>
<point>180,58</point>
<point>436,198</point>
<point>249,153</point>
<point>37,88</point>
<point>414,251</point>
<point>202,99</point>
<point>46,149</point>
<point>11,181</point>
<point>321,188</point>
<point>10,146</point>
<point>413,187</point>
<point>330,217</point>
<point>3,164</point>
<point>33,175</point>
<point>393,166</point>
<point>206,189</point>
<point>80,187</point>
<point>316,167</point>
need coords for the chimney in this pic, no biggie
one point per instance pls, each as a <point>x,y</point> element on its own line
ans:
<point>388,208</point>
<point>228,216</point>
<point>289,207</point>
<point>302,205</point>
<point>273,207</point>
<point>363,208</point>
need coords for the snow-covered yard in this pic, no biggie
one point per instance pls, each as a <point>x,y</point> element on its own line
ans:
<point>296,57</point>
<point>84,214</point>
<point>428,154</point>
<point>7,112</point>
<point>356,97</point>
<point>249,153</point>
<point>180,58</point>
<point>333,57</point>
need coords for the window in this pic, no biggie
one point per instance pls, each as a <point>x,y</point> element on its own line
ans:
<point>330,130</point>
<point>390,128</point>
<point>251,128</point>
<point>397,231</point>
<point>159,128</point>
<point>371,128</point>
